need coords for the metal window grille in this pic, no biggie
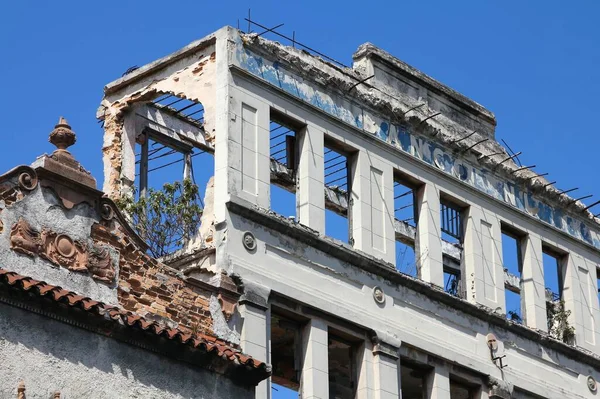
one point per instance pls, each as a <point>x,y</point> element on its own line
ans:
<point>404,204</point>
<point>452,223</point>
<point>283,145</point>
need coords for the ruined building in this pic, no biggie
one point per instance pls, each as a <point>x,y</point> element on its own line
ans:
<point>86,313</point>
<point>363,235</point>
<point>367,215</point>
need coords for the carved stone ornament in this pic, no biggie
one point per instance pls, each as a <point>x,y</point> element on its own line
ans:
<point>378,295</point>
<point>249,241</point>
<point>100,264</point>
<point>591,384</point>
<point>62,250</point>
<point>25,239</point>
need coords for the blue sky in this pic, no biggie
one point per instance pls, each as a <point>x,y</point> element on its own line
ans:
<point>534,64</point>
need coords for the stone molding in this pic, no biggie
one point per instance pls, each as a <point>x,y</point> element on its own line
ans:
<point>61,250</point>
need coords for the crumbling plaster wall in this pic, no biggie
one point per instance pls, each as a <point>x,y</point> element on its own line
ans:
<point>296,270</point>
<point>42,209</point>
<point>191,76</point>
<point>435,141</point>
<point>83,364</point>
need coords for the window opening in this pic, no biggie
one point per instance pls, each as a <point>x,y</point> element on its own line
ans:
<point>460,390</point>
<point>283,153</point>
<point>336,193</point>
<point>285,356</point>
<point>341,368</point>
<point>553,263</point>
<point>512,259</point>
<point>451,222</point>
<point>412,380</point>
<point>452,281</point>
<point>452,231</point>
<point>405,215</point>
<point>161,159</point>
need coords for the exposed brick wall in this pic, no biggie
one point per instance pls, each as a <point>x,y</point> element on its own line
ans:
<point>154,290</point>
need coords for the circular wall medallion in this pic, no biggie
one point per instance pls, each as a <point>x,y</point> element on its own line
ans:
<point>492,341</point>
<point>249,241</point>
<point>378,294</point>
<point>64,245</point>
<point>591,383</point>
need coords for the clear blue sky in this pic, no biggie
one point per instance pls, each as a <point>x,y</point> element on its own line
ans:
<point>534,64</point>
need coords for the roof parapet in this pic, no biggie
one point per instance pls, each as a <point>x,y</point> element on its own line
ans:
<point>395,76</point>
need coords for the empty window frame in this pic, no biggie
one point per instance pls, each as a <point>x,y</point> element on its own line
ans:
<point>286,358</point>
<point>337,187</point>
<point>283,153</point>
<point>512,258</point>
<point>162,159</point>
<point>405,215</point>
<point>462,390</point>
<point>553,263</point>
<point>342,367</point>
<point>452,231</point>
<point>412,380</point>
<point>451,221</point>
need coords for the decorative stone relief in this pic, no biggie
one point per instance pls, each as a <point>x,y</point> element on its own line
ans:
<point>100,264</point>
<point>13,188</point>
<point>25,239</point>
<point>62,250</point>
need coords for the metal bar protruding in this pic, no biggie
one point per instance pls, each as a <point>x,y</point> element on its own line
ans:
<point>413,108</point>
<point>270,29</point>
<point>429,117</point>
<point>361,82</point>
<point>568,191</point>
<point>538,175</point>
<point>463,138</point>
<point>580,198</point>
<point>523,168</point>
<point>293,40</point>
<point>589,206</point>
<point>549,184</point>
<point>476,144</point>
<point>509,158</point>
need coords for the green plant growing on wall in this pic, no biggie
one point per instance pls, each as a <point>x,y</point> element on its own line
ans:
<point>558,321</point>
<point>166,219</point>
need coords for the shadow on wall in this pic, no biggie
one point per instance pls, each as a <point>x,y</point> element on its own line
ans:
<point>51,356</point>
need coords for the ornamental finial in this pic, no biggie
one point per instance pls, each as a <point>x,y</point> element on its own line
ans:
<point>62,136</point>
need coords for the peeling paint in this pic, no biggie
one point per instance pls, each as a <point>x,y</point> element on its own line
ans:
<point>517,196</point>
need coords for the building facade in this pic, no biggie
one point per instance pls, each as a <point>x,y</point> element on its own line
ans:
<point>86,313</point>
<point>367,215</point>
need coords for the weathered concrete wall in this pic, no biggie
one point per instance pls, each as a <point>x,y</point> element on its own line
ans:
<point>82,364</point>
<point>312,81</point>
<point>253,77</point>
<point>42,209</point>
<point>295,270</point>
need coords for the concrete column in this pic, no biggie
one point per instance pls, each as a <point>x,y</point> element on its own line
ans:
<point>315,367</point>
<point>242,158</point>
<point>386,372</point>
<point>428,245</point>
<point>437,383</point>
<point>365,372</point>
<point>580,296</point>
<point>372,207</point>
<point>255,339</point>
<point>533,290</point>
<point>310,200</point>
<point>482,259</point>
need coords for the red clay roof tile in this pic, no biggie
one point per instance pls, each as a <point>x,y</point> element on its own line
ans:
<point>207,342</point>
